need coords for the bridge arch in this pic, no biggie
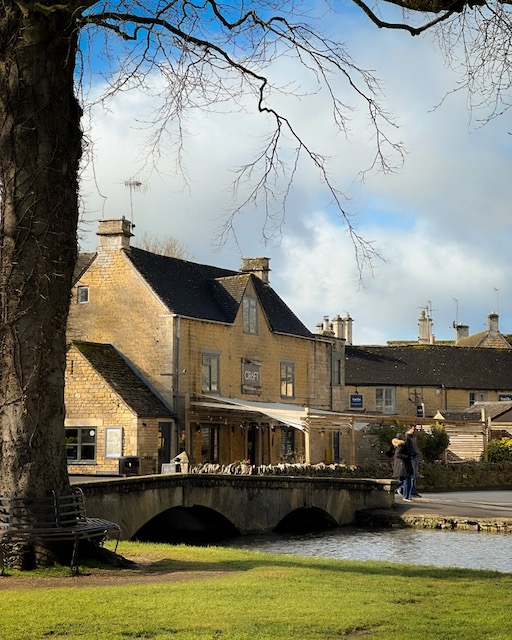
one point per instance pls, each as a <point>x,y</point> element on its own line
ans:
<point>194,525</point>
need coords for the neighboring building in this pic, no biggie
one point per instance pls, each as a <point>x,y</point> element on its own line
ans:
<point>228,370</point>
<point>417,380</point>
<point>491,338</point>
<point>433,383</point>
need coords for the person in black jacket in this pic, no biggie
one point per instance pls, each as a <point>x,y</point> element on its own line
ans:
<point>410,441</point>
<point>402,467</point>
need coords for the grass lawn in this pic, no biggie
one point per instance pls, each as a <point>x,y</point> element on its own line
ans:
<point>260,597</point>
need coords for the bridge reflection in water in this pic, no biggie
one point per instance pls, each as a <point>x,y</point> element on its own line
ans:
<point>185,508</point>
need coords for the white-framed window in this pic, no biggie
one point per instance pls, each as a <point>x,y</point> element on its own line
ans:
<point>81,445</point>
<point>477,396</point>
<point>287,379</point>
<point>210,372</point>
<point>82,294</point>
<point>250,315</point>
<point>385,399</point>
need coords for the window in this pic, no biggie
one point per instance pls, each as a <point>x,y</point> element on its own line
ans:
<point>336,446</point>
<point>250,315</point>
<point>81,445</point>
<point>336,369</point>
<point>210,372</point>
<point>82,295</point>
<point>287,379</point>
<point>385,399</point>
<point>288,444</point>
<point>477,396</point>
<point>210,443</point>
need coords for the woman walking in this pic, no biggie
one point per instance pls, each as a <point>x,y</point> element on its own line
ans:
<point>402,467</point>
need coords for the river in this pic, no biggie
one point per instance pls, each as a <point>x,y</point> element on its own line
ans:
<point>434,547</point>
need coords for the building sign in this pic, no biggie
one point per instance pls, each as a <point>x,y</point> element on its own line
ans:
<point>505,397</point>
<point>356,401</point>
<point>251,377</point>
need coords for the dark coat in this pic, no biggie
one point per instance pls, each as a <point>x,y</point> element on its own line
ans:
<point>402,461</point>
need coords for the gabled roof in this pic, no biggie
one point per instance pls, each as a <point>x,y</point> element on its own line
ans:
<point>430,366</point>
<point>111,366</point>
<point>488,339</point>
<point>499,411</point>
<point>210,293</point>
<point>83,262</point>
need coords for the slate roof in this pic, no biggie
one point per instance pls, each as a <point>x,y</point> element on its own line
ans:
<point>83,262</point>
<point>210,293</point>
<point>497,411</point>
<point>111,366</point>
<point>488,339</point>
<point>430,366</point>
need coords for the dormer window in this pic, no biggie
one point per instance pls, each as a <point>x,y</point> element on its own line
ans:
<point>82,295</point>
<point>250,315</point>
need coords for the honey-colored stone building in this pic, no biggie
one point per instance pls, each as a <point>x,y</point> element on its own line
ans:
<point>415,383</point>
<point>226,370</point>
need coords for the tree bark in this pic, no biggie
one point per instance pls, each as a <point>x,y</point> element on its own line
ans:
<point>40,150</point>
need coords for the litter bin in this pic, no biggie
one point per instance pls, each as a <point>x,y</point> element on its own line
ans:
<point>129,466</point>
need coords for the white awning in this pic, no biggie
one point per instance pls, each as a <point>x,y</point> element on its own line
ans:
<point>295,416</point>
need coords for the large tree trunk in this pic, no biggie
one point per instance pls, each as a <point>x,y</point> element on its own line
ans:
<point>40,149</point>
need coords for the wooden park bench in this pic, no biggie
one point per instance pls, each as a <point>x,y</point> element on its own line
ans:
<point>54,518</point>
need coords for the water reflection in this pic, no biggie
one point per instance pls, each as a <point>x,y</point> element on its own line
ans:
<point>462,549</point>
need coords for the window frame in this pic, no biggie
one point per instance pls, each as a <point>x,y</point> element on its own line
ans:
<point>250,315</point>
<point>385,406</point>
<point>472,396</point>
<point>336,370</point>
<point>80,444</point>
<point>80,298</point>
<point>210,439</point>
<point>210,372</point>
<point>287,379</point>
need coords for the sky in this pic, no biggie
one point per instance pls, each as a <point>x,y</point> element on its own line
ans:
<point>440,223</point>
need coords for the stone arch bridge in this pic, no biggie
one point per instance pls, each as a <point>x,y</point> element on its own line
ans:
<point>252,504</point>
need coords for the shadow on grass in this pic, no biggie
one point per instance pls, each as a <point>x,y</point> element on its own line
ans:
<point>258,560</point>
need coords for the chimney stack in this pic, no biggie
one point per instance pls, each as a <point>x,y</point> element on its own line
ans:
<point>258,267</point>
<point>461,331</point>
<point>115,234</point>
<point>493,319</point>
<point>425,335</point>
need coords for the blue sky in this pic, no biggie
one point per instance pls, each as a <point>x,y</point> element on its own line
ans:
<point>441,222</point>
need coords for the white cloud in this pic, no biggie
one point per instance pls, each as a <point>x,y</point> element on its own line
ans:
<point>441,223</point>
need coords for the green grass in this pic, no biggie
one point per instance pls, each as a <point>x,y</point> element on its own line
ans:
<point>262,597</point>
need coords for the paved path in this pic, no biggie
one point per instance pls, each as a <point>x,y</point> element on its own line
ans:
<point>474,510</point>
<point>471,504</point>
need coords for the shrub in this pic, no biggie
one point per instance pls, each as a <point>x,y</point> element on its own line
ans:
<point>384,435</point>
<point>432,445</point>
<point>499,450</point>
